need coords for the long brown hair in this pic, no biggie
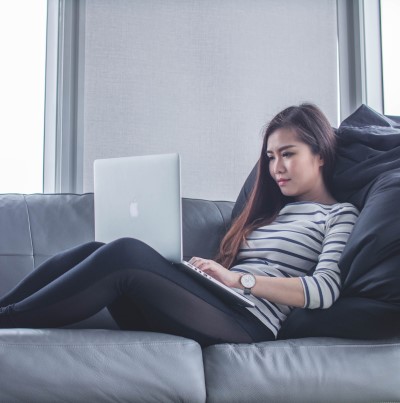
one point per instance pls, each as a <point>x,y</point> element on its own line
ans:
<point>266,200</point>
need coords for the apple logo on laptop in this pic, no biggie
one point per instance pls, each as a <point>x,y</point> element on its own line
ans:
<point>134,208</point>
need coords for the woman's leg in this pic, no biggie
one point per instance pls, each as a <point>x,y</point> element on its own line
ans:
<point>202,317</point>
<point>144,292</point>
<point>49,271</point>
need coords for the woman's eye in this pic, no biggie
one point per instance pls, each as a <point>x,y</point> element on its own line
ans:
<point>287,154</point>
<point>269,158</point>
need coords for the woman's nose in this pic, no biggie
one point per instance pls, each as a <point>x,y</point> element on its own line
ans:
<point>278,166</point>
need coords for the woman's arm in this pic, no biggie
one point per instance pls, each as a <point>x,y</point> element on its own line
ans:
<point>287,291</point>
<point>323,287</point>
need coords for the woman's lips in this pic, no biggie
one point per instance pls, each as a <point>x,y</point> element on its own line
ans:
<point>282,182</point>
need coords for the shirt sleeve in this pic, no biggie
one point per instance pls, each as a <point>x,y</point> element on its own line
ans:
<point>322,288</point>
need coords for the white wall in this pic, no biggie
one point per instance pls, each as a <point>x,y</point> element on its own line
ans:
<point>202,77</point>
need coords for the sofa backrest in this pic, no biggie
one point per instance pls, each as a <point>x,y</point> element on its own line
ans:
<point>37,226</point>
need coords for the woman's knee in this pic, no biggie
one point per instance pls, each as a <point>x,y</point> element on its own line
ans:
<point>90,247</point>
<point>94,244</point>
<point>126,243</point>
<point>130,250</point>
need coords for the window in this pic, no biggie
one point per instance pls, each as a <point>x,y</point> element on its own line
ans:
<point>390,12</point>
<point>22,83</point>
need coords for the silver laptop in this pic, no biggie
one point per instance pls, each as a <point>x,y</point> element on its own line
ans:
<point>140,197</point>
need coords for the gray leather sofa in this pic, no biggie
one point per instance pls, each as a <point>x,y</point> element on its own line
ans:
<point>93,361</point>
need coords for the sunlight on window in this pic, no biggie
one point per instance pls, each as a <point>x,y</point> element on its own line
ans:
<point>22,83</point>
<point>390,13</point>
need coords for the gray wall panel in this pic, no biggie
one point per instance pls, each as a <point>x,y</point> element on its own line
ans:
<point>202,78</point>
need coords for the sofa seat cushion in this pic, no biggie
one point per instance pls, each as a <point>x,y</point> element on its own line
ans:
<point>304,370</point>
<point>99,366</point>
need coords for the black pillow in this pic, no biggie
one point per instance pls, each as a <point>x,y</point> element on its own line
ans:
<point>367,174</point>
<point>245,193</point>
<point>368,146</point>
<point>352,318</point>
<point>370,263</point>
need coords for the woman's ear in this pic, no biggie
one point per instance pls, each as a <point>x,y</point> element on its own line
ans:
<point>321,161</point>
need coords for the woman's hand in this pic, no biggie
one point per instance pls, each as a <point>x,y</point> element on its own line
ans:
<point>215,270</point>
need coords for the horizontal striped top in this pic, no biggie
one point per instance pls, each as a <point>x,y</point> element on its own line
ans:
<point>306,240</point>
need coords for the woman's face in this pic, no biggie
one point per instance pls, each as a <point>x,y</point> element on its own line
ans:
<point>296,170</point>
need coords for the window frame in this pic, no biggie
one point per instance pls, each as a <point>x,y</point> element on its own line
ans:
<point>63,133</point>
<point>360,55</point>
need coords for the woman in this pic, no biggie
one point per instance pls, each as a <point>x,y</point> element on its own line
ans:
<point>282,250</point>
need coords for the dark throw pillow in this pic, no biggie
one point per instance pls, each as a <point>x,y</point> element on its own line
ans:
<point>245,193</point>
<point>352,318</point>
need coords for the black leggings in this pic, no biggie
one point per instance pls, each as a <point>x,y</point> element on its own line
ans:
<point>141,289</point>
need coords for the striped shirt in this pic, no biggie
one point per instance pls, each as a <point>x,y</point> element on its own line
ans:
<point>306,240</point>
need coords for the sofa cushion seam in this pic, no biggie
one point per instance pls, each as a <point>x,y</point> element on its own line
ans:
<point>222,216</point>
<point>30,229</point>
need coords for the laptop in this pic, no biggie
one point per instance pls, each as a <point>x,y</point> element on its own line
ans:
<point>140,197</point>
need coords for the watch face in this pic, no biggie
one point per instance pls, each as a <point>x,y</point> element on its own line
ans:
<point>248,280</point>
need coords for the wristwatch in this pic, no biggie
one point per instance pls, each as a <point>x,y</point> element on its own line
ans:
<point>248,281</point>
